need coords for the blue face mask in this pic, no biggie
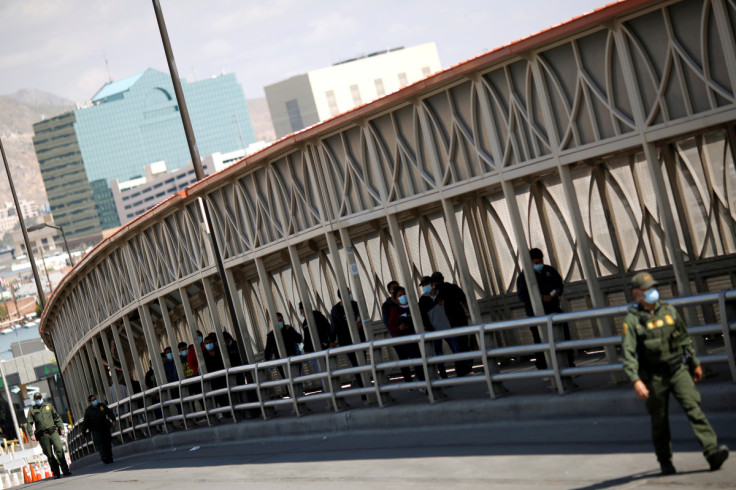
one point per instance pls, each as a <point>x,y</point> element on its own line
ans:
<point>169,355</point>
<point>95,402</point>
<point>281,324</point>
<point>199,339</point>
<point>538,267</point>
<point>39,402</point>
<point>183,352</point>
<point>426,289</point>
<point>651,295</point>
<point>209,346</point>
<point>351,297</point>
<point>403,300</point>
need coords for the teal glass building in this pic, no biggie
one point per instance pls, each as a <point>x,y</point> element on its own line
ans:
<point>129,124</point>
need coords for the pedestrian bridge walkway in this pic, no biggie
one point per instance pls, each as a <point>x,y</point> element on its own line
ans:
<point>607,142</point>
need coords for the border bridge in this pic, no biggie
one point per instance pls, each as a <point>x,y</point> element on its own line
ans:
<point>607,142</point>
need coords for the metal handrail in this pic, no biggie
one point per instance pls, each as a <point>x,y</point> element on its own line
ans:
<point>262,394</point>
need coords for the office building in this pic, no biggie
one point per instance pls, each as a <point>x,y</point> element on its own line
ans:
<point>129,124</point>
<point>136,196</point>
<point>306,99</point>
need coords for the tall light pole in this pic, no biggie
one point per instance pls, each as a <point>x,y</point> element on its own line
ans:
<point>197,164</point>
<point>63,237</point>
<point>29,251</point>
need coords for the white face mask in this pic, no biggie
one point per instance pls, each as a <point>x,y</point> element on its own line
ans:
<point>651,295</point>
<point>39,401</point>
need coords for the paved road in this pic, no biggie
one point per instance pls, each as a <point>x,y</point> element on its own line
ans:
<point>582,454</point>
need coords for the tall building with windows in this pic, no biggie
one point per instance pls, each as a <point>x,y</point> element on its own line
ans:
<point>129,124</point>
<point>309,98</point>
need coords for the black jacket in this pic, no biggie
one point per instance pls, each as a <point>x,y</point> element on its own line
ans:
<point>548,280</point>
<point>291,338</point>
<point>323,330</point>
<point>453,298</point>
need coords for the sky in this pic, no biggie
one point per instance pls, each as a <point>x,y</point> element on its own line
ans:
<point>60,46</point>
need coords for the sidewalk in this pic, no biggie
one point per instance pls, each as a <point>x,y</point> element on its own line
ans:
<point>413,412</point>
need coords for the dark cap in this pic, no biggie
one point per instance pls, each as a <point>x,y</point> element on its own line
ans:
<point>437,277</point>
<point>643,280</point>
<point>37,395</point>
<point>425,281</point>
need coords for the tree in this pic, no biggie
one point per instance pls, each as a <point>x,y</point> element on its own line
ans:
<point>3,312</point>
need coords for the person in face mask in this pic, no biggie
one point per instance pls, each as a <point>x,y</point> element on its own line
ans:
<point>169,366</point>
<point>45,424</point>
<point>400,323</point>
<point>655,342</point>
<point>97,420</point>
<point>291,340</point>
<point>550,289</point>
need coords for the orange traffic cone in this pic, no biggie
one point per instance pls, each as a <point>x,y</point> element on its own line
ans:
<point>27,478</point>
<point>47,469</point>
<point>34,473</point>
<point>39,471</point>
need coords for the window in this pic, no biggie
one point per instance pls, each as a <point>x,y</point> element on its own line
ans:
<point>295,115</point>
<point>402,80</point>
<point>426,71</point>
<point>380,91</point>
<point>355,92</point>
<point>332,102</point>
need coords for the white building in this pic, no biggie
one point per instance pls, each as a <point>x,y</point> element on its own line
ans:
<point>304,100</point>
<point>136,196</point>
<point>9,217</point>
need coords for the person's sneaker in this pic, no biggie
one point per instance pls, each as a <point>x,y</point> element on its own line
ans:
<point>716,459</point>
<point>667,468</point>
<point>68,473</point>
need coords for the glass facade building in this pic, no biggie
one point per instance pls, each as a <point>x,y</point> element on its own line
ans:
<point>132,123</point>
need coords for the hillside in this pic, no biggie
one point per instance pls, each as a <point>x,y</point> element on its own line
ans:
<point>18,113</point>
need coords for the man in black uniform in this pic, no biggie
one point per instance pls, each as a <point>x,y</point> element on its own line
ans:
<point>550,288</point>
<point>48,428</point>
<point>97,420</point>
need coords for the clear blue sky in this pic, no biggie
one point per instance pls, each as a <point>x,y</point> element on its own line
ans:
<point>58,45</point>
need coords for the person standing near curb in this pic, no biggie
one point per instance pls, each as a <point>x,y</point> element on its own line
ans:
<point>97,419</point>
<point>48,427</point>
<point>655,342</point>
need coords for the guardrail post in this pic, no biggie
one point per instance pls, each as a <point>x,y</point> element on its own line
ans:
<point>728,316</point>
<point>487,341</point>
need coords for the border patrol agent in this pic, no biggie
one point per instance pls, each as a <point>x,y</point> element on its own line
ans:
<point>655,343</point>
<point>48,427</point>
<point>96,418</point>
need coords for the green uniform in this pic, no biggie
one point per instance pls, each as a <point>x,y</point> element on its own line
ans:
<point>48,425</point>
<point>97,421</point>
<point>654,344</point>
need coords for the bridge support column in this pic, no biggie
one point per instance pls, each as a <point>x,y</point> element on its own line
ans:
<point>345,295</point>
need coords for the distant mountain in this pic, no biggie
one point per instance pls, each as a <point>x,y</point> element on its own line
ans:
<point>34,97</point>
<point>18,113</point>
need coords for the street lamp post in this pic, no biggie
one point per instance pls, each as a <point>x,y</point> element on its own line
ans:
<point>63,237</point>
<point>29,250</point>
<point>198,169</point>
